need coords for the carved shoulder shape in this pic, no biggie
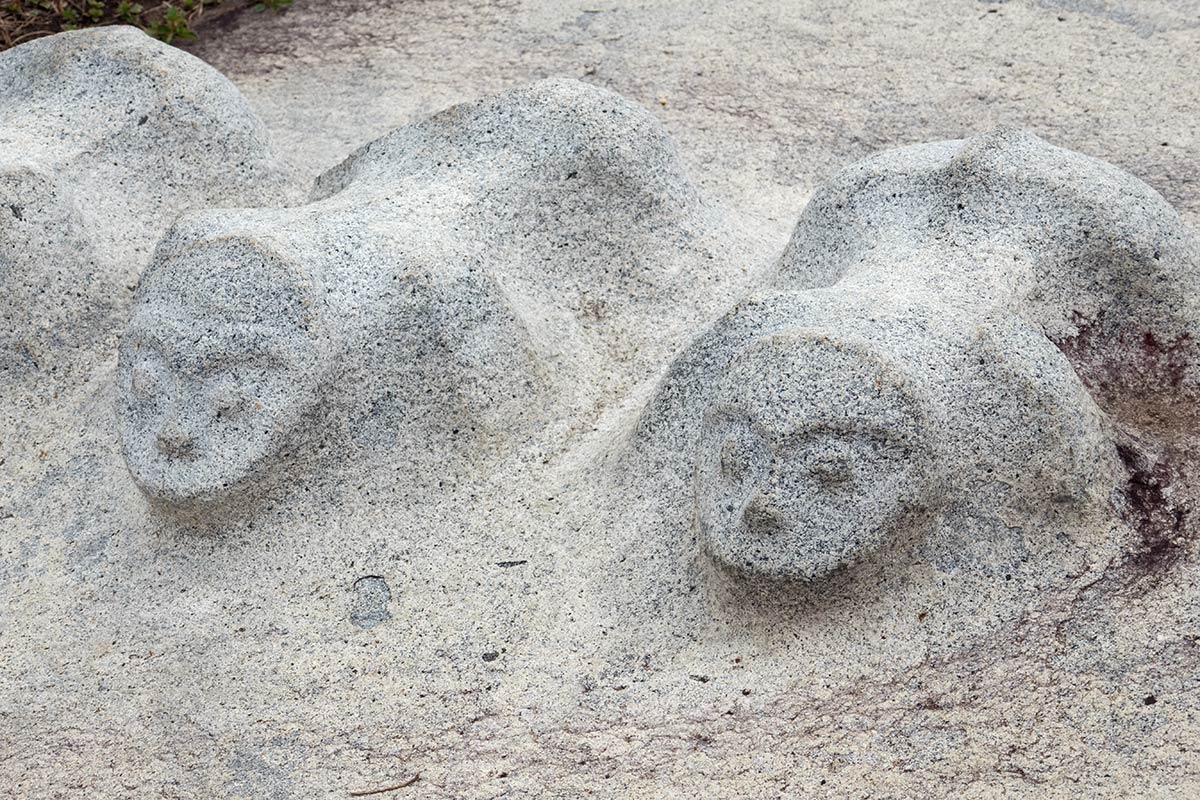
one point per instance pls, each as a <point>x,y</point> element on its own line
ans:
<point>105,136</point>
<point>958,331</point>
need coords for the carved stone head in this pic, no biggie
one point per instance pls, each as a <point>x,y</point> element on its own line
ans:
<point>812,452</point>
<point>223,356</point>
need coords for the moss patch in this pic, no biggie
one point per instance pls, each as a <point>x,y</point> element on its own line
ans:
<point>23,20</point>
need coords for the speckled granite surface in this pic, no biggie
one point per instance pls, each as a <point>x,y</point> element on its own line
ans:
<point>536,619</point>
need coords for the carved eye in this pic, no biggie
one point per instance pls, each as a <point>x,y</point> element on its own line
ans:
<point>832,470</point>
<point>733,459</point>
<point>145,381</point>
<point>230,400</point>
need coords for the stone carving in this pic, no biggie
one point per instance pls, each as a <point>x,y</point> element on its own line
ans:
<point>507,459</point>
<point>1099,261</point>
<point>105,135</point>
<point>812,448</point>
<point>454,287</point>
<point>219,370</point>
<point>931,364</point>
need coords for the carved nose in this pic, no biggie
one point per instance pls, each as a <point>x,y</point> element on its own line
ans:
<point>762,515</point>
<point>174,442</point>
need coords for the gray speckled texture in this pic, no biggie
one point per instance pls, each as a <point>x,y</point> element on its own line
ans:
<point>482,283</point>
<point>952,300</point>
<point>105,136</point>
<point>553,624</point>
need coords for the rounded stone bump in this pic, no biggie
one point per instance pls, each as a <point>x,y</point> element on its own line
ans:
<point>223,356</point>
<point>812,450</point>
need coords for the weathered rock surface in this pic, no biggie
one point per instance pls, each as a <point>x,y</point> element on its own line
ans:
<point>105,136</point>
<point>462,287</point>
<point>557,603</point>
<point>954,303</point>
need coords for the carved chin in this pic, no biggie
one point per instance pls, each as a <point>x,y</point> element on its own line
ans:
<point>198,477</point>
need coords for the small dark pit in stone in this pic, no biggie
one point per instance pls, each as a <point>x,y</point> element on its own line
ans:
<point>370,604</point>
<point>490,656</point>
<point>17,211</point>
<point>143,120</point>
<point>1149,700</point>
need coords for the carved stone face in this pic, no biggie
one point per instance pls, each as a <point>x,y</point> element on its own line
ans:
<point>810,454</point>
<point>214,378</point>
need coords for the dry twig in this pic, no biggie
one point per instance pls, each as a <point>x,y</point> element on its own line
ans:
<point>407,783</point>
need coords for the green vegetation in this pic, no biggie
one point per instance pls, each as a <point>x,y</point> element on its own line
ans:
<point>22,20</point>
